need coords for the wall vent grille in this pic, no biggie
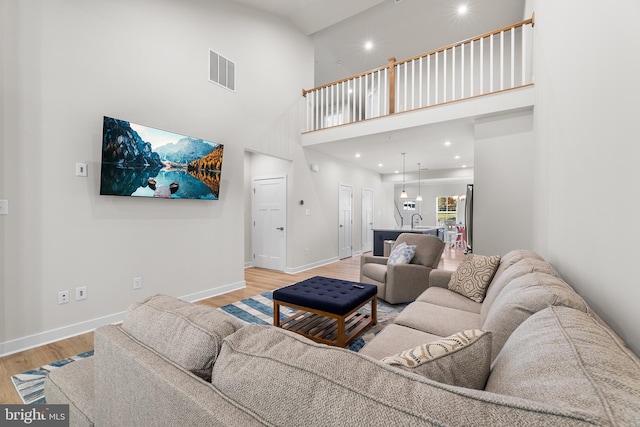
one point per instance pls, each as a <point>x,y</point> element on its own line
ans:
<point>222,71</point>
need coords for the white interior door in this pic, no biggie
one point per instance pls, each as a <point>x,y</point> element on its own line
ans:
<point>367,220</point>
<point>269,220</point>
<point>345,222</point>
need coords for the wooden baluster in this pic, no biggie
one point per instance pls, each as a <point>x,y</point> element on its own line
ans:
<point>513,57</point>
<point>453,73</point>
<point>501,60</point>
<point>471,69</point>
<point>420,104</point>
<point>428,80</point>
<point>392,85</point>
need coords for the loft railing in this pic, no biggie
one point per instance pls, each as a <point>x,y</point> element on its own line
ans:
<point>489,63</point>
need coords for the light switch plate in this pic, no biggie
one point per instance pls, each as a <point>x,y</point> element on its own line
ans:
<point>4,207</point>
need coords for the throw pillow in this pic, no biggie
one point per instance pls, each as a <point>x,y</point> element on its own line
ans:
<point>402,254</point>
<point>462,359</point>
<point>473,276</point>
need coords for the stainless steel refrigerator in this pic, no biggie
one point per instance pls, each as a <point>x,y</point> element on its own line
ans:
<point>468,219</point>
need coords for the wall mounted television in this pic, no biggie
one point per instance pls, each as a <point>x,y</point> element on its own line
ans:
<point>142,161</point>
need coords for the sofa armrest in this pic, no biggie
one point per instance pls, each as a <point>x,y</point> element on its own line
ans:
<point>375,259</point>
<point>440,278</point>
<point>135,385</point>
<point>405,282</point>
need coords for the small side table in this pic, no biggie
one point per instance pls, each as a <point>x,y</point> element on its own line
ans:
<point>328,309</point>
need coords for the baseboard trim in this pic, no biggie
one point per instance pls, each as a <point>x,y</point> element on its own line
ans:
<point>48,337</point>
<point>302,268</point>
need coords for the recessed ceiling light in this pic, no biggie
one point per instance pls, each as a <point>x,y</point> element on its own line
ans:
<point>462,9</point>
<point>368,45</point>
<point>397,171</point>
<point>357,155</point>
<point>464,166</point>
<point>447,143</point>
<point>456,157</point>
<point>379,165</point>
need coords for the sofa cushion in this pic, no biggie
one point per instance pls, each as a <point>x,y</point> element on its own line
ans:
<point>473,276</point>
<point>283,378</point>
<point>394,339</point>
<point>515,270</point>
<point>461,359</point>
<point>523,297</point>
<point>402,254</point>
<point>566,357</point>
<point>436,319</point>
<point>189,335</point>
<point>511,257</point>
<point>447,298</point>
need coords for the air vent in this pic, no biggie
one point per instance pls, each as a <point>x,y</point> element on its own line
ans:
<point>222,71</point>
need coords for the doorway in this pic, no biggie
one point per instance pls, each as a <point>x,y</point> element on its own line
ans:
<point>269,223</point>
<point>345,222</point>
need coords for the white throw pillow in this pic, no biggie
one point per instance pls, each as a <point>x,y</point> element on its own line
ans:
<point>402,254</point>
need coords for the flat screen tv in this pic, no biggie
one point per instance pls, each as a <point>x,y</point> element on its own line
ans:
<point>143,161</point>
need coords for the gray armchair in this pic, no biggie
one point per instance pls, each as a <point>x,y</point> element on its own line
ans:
<point>398,283</point>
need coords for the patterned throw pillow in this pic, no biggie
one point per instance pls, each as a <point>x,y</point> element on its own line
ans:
<point>462,359</point>
<point>402,254</point>
<point>473,276</point>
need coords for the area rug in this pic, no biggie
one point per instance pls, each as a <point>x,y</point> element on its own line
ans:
<point>259,309</point>
<point>30,384</point>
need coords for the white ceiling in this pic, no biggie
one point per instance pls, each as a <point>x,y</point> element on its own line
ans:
<point>400,29</point>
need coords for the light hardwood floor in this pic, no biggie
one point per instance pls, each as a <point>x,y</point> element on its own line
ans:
<point>258,280</point>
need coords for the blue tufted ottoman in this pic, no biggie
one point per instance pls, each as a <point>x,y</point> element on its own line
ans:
<point>328,309</point>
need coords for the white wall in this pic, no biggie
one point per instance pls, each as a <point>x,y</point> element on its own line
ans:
<point>66,63</point>
<point>503,191</point>
<point>587,154</point>
<point>319,190</point>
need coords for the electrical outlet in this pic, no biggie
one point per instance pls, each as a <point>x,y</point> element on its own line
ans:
<point>306,251</point>
<point>63,297</point>
<point>81,293</point>
<point>4,207</point>
<point>137,283</point>
<point>81,169</point>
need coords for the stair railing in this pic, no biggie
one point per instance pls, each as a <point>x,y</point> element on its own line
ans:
<point>492,62</point>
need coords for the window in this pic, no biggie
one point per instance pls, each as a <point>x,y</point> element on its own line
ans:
<point>447,208</point>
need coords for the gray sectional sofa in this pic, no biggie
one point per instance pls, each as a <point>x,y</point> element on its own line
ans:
<point>554,362</point>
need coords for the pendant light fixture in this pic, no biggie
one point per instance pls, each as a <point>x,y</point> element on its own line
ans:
<point>403,195</point>
<point>419,197</point>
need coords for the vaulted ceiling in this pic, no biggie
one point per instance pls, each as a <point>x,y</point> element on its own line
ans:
<point>400,29</point>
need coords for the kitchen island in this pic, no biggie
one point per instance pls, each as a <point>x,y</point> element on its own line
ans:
<point>382,234</point>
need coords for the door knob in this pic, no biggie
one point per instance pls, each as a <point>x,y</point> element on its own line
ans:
<point>280,228</point>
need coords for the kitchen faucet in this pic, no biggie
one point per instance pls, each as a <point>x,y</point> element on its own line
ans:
<point>412,222</point>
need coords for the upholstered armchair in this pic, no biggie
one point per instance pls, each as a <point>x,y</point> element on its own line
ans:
<point>403,282</point>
